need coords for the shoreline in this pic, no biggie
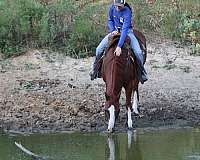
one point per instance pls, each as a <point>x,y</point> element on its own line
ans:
<point>49,91</point>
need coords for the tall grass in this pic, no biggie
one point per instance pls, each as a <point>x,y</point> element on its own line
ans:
<point>76,27</point>
<point>177,19</point>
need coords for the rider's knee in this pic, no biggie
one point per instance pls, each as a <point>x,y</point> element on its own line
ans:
<point>98,51</point>
<point>139,54</point>
<point>138,51</point>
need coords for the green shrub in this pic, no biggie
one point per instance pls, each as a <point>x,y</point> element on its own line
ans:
<point>56,22</point>
<point>178,19</point>
<point>63,25</point>
<point>76,27</point>
<point>87,30</point>
<point>18,24</point>
<point>188,28</point>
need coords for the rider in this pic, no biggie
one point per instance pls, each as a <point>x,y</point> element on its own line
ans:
<point>120,17</point>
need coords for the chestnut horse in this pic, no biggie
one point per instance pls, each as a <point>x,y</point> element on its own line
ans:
<point>117,72</point>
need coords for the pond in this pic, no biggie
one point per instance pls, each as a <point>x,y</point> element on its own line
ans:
<point>140,144</point>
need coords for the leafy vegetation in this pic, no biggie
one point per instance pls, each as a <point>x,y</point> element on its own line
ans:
<point>177,19</point>
<point>76,27</point>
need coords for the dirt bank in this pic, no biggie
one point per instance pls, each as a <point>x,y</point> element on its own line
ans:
<point>50,92</point>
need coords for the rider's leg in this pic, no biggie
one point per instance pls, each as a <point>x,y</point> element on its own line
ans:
<point>142,74</point>
<point>99,52</point>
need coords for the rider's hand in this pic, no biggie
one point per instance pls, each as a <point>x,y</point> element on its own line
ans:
<point>118,51</point>
<point>114,33</point>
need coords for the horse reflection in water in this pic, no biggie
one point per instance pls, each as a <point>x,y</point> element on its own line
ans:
<point>132,149</point>
<point>118,72</point>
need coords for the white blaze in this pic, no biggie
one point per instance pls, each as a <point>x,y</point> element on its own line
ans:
<point>111,122</point>
<point>135,103</point>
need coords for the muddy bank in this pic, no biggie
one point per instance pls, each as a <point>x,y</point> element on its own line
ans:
<point>42,92</point>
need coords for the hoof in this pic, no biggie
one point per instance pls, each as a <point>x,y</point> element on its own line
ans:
<point>136,112</point>
<point>109,131</point>
<point>130,128</point>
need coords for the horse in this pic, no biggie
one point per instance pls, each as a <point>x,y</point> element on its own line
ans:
<point>121,72</point>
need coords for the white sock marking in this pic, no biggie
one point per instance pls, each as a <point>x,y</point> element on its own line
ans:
<point>130,122</point>
<point>135,103</point>
<point>111,122</point>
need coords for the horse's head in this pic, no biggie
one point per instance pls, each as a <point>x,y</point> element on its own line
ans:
<point>117,71</point>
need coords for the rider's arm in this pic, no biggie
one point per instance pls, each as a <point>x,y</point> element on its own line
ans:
<point>126,26</point>
<point>111,26</point>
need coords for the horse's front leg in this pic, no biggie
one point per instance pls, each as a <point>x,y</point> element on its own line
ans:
<point>111,122</point>
<point>112,111</point>
<point>130,122</point>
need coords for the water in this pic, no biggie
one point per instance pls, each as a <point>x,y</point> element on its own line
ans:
<point>166,144</point>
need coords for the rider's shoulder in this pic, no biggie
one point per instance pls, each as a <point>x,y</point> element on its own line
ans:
<point>127,9</point>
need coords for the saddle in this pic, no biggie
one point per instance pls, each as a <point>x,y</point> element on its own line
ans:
<point>114,39</point>
<point>140,37</point>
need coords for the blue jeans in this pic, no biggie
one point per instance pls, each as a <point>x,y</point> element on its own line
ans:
<point>134,45</point>
<point>136,49</point>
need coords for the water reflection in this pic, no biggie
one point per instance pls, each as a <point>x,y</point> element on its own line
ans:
<point>180,144</point>
<point>193,157</point>
<point>128,149</point>
<point>111,145</point>
<point>133,150</point>
<point>130,138</point>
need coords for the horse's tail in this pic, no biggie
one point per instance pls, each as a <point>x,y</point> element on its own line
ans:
<point>138,97</point>
<point>135,89</point>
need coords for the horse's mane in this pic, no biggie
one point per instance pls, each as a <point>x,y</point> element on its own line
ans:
<point>113,40</point>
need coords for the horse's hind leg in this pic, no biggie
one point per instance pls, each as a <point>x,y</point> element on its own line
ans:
<point>132,88</point>
<point>135,100</point>
<point>128,90</point>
